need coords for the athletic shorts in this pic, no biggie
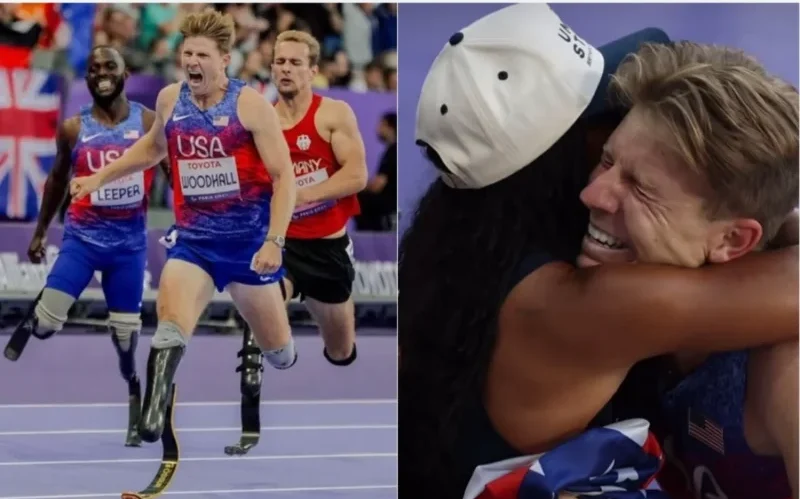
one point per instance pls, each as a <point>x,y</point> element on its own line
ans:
<point>321,269</point>
<point>121,273</point>
<point>225,261</point>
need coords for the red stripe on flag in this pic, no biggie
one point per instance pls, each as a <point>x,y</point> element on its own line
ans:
<point>652,447</point>
<point>505,487</point>
<point>15,57</point>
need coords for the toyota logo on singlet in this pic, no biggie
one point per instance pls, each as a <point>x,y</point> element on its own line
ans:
<point>303,142</point>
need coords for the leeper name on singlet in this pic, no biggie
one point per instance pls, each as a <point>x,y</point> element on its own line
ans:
<point>309,173</point>
<point>211,175</point>
<point>125,192</point>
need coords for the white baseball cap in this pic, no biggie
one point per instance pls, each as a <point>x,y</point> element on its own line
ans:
<point>507,87</point>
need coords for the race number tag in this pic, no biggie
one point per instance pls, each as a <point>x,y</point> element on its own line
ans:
<point>308,180</point>
<point>125,192</point>
<point>204,180</point>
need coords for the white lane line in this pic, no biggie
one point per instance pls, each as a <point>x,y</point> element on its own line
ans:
<point>199,430</point>
<point>102,405</point>
<point>370,455</point>
<point>219,492</point>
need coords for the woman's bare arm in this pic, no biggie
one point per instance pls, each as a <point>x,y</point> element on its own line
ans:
<point>625,313</point>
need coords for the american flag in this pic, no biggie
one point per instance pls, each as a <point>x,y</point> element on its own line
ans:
<point>29,107</point>
<point>706,431</point>
<point>619,461</point>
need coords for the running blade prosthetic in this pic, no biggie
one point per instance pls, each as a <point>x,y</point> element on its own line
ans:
<point>169,459</point>
<point>251,369</point>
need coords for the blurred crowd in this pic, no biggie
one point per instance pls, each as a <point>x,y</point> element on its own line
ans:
<point>359,41</point>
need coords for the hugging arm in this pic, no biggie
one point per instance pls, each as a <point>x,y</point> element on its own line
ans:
<point>625,313</point>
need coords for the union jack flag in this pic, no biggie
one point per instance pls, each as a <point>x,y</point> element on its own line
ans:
<point>619,461</point>
<point>29,108</point>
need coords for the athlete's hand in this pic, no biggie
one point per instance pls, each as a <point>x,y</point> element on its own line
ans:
<point>83,186</point>
<point>36,249</point>
<point>268,259</point>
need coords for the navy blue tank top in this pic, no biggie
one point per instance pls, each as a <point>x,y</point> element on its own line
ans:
<point>704,437</point>
<point>478,441</point>
<point>113,217</point>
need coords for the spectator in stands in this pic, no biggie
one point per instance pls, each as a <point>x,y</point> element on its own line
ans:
<point>17,38</point>
<point>384,34</point>
<point>358,33</point>
<point>159,26</point>
<point>323,21</point>
<point>248,29</point>
<point>256,73</point>
<point>118,28</point>
<point>379,199</point>
<point>390,79</point>
<point>374,77</point>
<point>355,38</point>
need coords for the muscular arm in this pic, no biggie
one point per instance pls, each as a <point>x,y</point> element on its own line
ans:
<point>149,119</point>
<point>772,385</point>
<point>260,118</point>
<point>348,147</point>
<point>616,315</point>
<point>56,185</point>
<point>148,150</point>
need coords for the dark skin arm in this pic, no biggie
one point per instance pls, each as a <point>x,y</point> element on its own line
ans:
<point>148,117</point>
<point>56,185</point>
<point>612,316</point>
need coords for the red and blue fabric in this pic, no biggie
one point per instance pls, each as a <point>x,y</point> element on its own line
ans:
<point>618,461</point>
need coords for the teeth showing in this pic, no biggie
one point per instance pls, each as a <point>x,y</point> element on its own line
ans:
<point>104,85</point>
<point>604,238</point>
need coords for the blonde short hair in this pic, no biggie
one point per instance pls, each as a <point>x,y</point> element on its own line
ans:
<point>211,24</point>
<point>304,38</point>
<point>729,121</point>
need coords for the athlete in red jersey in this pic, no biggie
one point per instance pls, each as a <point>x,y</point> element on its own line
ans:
<point>330,169</point>
<point>215,131</point>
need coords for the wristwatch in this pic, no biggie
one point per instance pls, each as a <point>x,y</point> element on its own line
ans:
<point>279,241</point>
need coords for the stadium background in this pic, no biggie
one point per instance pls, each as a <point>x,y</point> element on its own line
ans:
<point>43,53</point>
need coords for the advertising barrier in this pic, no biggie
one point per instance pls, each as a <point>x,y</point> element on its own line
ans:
<point>375,255</point>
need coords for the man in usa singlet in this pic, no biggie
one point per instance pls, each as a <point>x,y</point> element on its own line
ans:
<point>715,424</point>
<point>234,194</point>
<point>104,233</point>
<point>728,426</point>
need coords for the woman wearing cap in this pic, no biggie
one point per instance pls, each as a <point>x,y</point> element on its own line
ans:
<point>509,114</point>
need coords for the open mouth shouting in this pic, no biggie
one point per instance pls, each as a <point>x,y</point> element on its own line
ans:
<point>194,76</point>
